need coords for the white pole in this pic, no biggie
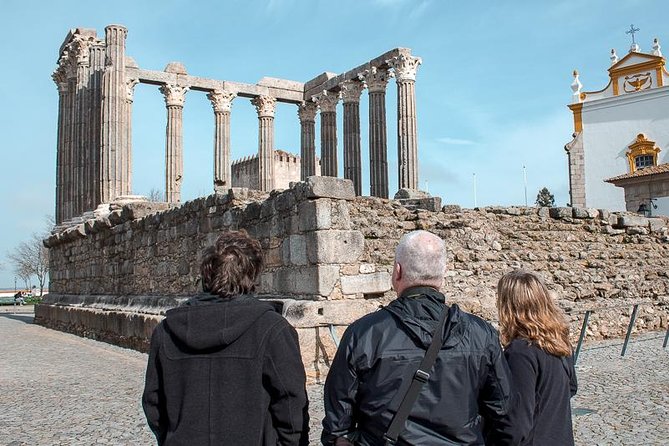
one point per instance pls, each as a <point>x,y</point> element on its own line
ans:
<point>474,175</point>
<point>525,183</point>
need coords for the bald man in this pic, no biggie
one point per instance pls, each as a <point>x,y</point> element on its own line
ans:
<point>468,388</point>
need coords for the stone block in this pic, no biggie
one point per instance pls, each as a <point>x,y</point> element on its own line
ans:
<point>297,248</point>
<point>543,212</point>
<point>334,246</point>
<point>560,212</point>
<point>451,209</point>
<point>329,187</point>
<point>366,283</point>
<point>580,213</point>
<point>310,281</point>
<point>366,268</point>
<point>405,193</point>
<point>656,224</point>
<point>627,220</point>
<point>314,215</point>
<point>302,313</point>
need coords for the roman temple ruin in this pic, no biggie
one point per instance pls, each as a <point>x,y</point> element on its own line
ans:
<point>118,261</point>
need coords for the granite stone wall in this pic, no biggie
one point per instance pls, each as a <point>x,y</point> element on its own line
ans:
<point>329,256</point>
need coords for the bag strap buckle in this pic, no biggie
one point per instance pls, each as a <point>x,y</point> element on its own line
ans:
<point>421,376</point>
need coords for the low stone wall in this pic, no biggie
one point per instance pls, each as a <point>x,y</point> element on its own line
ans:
<point>329,256</point>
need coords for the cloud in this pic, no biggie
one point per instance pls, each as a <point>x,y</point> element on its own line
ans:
<point>455,141</point>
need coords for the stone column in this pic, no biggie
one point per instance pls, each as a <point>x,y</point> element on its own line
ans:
<point>221,101</point>
<point>113,130</point>
<point>175,96</point>
<point>71,189</point>
<point>327,102</point>
<point>82,169</point>
<point>350,92</point>
<point>376,80</point>
<point>127,159</point>
<point>265,106</point>
<point>97,67</point>
<point>405,67</point>
<point>307,115</point>
<point>60,79</point>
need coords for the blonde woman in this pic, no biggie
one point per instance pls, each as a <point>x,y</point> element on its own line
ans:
<point>535,336</point>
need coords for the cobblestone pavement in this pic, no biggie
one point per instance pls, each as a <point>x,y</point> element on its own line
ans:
<point>59,389</point>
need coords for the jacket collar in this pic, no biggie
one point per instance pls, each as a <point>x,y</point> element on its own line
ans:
<point>420,290</point>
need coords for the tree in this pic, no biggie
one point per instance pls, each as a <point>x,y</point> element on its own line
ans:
<point>155,195</point>
<point>31,258</point>
<point>545,198</point>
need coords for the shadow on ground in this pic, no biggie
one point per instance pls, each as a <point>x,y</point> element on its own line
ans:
<point>25,318</point>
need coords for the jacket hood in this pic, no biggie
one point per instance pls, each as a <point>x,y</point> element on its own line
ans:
<point>208,322</point>
<point>418,310</point>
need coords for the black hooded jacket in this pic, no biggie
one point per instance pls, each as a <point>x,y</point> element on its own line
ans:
<point>225,372</point>
<point>377,357</point>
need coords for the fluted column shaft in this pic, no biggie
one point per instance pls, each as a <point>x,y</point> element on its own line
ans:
<point>97,66</point>
<point>405,67</point>
<point>60,150</point>
<point>175,96</point>
<point>376,80</point>
<point>222,102</point>
<point>113,179</point>
<point>378,145</point>
<point>173,154</point>
<point>265,106</point>
<point>126,170</point>
<point>82,167</point>
<point>407,136</point>
<point>327,101</point>
<point>70,144</point>
<point>307,115</point>
<point>351,91</point>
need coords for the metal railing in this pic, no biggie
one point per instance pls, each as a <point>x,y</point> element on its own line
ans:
<point>628,334</point>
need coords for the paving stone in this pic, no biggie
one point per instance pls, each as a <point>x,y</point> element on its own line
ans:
<point>60,389</point>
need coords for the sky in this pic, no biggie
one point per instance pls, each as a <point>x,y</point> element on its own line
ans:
<point>491,93</point>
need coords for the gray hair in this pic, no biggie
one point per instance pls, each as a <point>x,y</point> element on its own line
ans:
<point>422,256</point>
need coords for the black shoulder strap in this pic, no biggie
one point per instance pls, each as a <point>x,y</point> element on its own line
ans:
<point>421,376</point>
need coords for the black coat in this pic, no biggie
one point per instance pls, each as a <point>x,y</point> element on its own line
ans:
<point>378,355</point>
<point>543,385</point>
<point>226,372</point>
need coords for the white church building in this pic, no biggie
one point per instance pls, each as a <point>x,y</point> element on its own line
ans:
<point>619,157</point>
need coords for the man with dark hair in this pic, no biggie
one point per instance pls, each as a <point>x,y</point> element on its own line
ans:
<point>465,391</point>
<point>225,368</point>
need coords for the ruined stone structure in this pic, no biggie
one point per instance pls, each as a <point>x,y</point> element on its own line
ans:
<point>328,251</point>
<point>329,258</point>
<point>96,81</point>
<point>287,169</point>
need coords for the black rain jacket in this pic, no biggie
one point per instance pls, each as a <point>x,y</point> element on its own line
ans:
<point>377,357</point>
<point>226,372</point>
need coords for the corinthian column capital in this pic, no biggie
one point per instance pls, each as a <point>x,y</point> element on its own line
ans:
<point>351,91</point>
<point>265,106</point>
<point>327,101</point>
<point>175,95</point>
<point>130,89</point>
<point>405,67</point>
<point>80,49</point>
<point>376,79</point>
<point>221,100</point>
<point>307,111</point>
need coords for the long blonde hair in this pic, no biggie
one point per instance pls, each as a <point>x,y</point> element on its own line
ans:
<point>526,311</point>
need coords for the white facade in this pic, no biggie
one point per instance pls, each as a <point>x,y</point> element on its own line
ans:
<point>608,121</point>
<point>610,126</point>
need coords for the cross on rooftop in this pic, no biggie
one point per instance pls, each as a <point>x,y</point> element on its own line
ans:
<point>632,31</point>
